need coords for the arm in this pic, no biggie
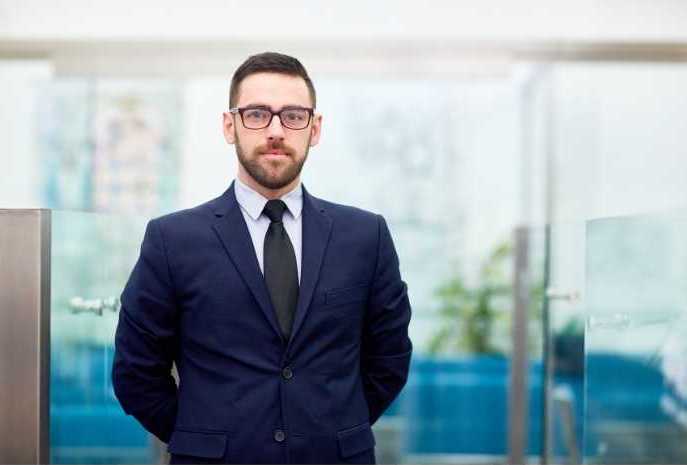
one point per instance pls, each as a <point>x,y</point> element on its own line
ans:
<point>386,348</point>
<point>146,339</point>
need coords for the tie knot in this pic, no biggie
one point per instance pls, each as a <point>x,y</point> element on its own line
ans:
<point>274,210</point>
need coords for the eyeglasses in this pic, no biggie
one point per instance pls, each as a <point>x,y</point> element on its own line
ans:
<point>261,117</point>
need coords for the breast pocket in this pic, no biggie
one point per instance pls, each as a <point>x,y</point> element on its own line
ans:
<point>337,314</point>
<point>347,296</point>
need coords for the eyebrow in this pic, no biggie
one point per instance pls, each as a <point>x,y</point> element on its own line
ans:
<point>285,107</point>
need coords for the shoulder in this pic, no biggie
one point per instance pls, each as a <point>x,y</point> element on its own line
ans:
<point>338,211</point>
<point>180,217</point>
<point>356,227</point>
<point>353,222</point>
<point>189,219</point>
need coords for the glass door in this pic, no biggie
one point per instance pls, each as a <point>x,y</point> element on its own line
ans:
<point>616,287</point>
<point>92,255</point>
<point>635,356</point>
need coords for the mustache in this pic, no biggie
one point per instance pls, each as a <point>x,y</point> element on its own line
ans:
<point>288,150</point>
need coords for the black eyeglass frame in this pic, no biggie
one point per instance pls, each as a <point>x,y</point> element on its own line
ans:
<point>240,110</point>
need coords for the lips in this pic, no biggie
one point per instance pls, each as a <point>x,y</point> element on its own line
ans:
<point>275,153</point>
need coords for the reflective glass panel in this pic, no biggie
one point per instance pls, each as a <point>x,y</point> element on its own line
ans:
<point>92,255</point>
<point>635,354</point>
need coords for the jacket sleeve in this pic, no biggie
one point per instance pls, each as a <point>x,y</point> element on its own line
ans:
<point>146,340</point>
<point>386,348</point>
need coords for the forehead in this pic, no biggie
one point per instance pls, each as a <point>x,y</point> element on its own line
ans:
<point>273,89</point>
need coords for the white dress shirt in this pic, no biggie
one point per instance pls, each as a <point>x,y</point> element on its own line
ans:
<point>252,203</point>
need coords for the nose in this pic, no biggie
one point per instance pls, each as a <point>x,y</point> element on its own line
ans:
<point>275,130</point>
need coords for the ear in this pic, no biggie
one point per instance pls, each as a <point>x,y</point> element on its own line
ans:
<point>228,127</point>
<point>316,129</point>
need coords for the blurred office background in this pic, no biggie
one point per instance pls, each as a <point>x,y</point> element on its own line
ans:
<point>530,158</point>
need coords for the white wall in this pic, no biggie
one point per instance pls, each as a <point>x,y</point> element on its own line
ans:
<point>619,140</point>
<point>19,175</point>
<point>588,20</point>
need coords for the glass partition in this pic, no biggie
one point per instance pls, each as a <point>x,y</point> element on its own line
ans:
<point>617,152</point>
<point>636,350</point>
<point>92,256</point>
<point>450,192</point>
<point>565,309</point>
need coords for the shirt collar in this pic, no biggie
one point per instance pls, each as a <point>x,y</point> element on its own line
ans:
<point>254,203</point>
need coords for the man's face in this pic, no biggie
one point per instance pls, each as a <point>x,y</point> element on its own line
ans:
<point>274,156</point>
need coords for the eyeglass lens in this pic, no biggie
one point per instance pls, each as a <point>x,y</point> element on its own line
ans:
<point>292,118</point>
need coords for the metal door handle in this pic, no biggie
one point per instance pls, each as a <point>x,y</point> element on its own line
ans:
<point>557,294</point>
<point>96,306</point>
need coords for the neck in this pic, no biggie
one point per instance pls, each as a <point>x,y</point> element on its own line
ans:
<point>266,192</point>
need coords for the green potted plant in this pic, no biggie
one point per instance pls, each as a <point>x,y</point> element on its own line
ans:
<point>471,315</point>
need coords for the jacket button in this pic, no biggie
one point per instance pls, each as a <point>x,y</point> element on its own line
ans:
<point>279,435</point>
<point>287,373</point>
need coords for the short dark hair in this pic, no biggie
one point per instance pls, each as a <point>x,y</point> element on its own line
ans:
<point>269,62</point>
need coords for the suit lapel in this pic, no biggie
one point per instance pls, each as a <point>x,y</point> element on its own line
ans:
<point>316,230</point>
<point>231,228</point>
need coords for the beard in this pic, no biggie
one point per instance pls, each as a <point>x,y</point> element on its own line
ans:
<point>254,167</point>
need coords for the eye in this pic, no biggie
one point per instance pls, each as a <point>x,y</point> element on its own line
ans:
<point>256,114</point>
<point>295,115</point>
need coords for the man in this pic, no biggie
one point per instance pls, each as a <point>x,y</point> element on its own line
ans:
<point>285,315</point>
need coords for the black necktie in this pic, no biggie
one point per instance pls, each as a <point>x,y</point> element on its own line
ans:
<point>281,272</point>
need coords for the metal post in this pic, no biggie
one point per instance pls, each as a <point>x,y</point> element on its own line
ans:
<point>24,336</point>
<point>517,394</point>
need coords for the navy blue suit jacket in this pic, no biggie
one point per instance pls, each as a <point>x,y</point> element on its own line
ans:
<point>196,298</point>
